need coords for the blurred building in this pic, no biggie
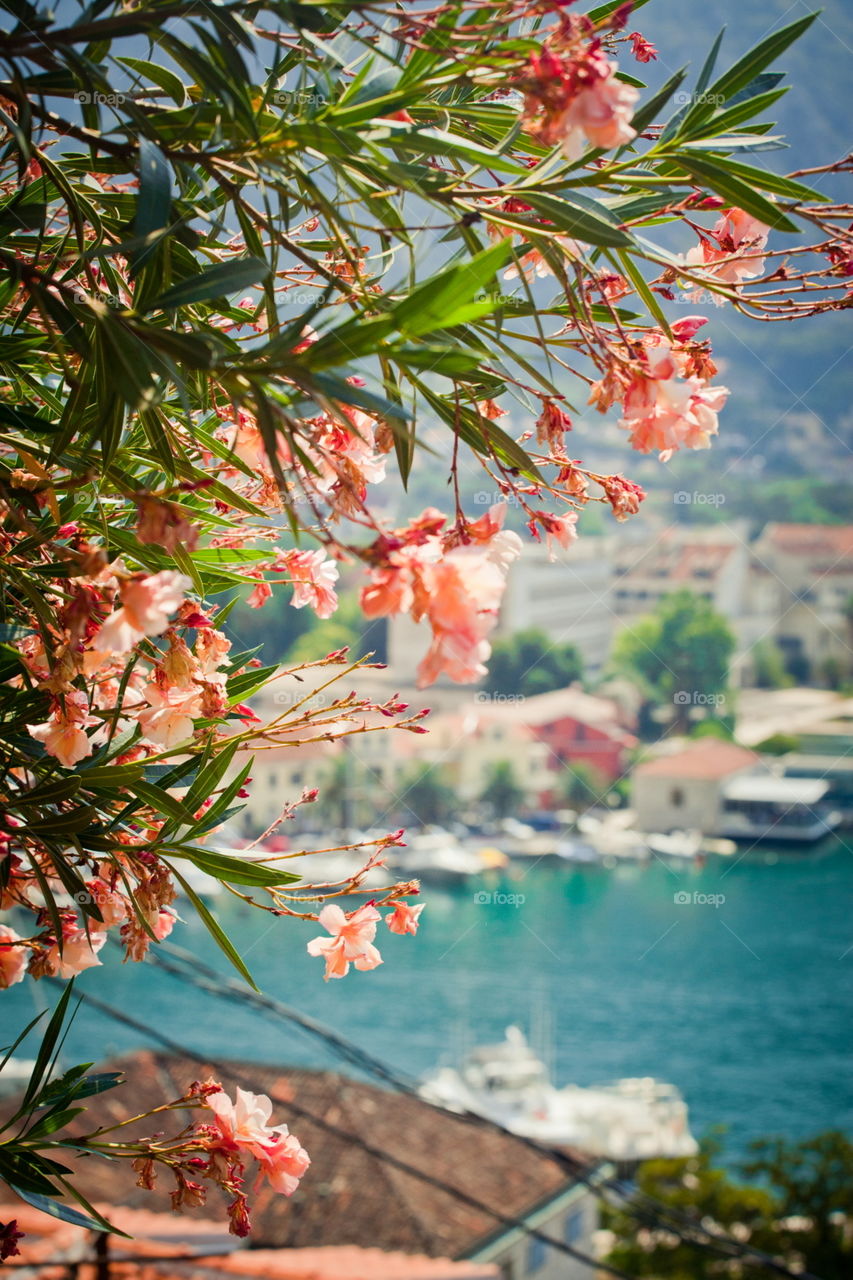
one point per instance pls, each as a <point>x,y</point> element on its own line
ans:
<point>710,562</point>
<point>683,790</point>
<point>800,593</point>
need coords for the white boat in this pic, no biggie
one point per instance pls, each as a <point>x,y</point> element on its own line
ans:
<point>625,1120</point>
<point>570,849</point>
<point>613,837</point>
<point>675,844</point>
<point>436,855</point>
<point>15,1076</point>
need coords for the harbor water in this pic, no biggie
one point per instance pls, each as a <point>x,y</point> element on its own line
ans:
<point>732,981</point>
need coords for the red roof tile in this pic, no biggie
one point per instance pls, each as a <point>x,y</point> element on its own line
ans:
<point>709,759</point>
<point>159,1240</point>
<point>349,1195</point>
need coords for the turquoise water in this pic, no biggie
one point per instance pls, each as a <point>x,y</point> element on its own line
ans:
<point>744,1004</point>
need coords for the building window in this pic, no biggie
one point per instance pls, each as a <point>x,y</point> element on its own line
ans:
<point>573,1228</point>
<point>537,1254</point>
<point>676,797</point>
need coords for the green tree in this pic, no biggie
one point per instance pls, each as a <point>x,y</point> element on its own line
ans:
<point>809,1181</point>
<point>502,793</point>
<point>528,663</point>
<point>778,744</point>
<point>679,654</point>
<point>812,1180</point>
<point>426,796</point>
<point>581,785</point>
<point>768,666</point>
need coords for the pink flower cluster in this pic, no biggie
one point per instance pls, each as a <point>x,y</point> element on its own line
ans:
<point>667,407</point>
<point>455,579</point>
<point>574,100</point>
<point>244,1130</point>
<point>731,250</point>
<point>352,935</point>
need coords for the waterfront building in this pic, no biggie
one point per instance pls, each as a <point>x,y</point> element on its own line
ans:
<point>800,589</point>
<point>684,789</point>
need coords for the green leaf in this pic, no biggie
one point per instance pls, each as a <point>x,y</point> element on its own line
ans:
<point>215,930</point>
<point>50,1123</point>
<point>234,870</point>
<point>214,282</point>
<point>161,802</point>
<point>580,216</point>
<point>155,191</point>
<point>442,302</point>
<point>648,112</point>
<point>50,1039</point>
<point>161,76</point>
<point>743,73</point>
<point>748,67</point>
<point>719,178</point>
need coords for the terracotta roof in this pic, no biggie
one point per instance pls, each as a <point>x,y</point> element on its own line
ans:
<point>160,1242</point>
<point>811,539</point>
<point>676,556</point>
<point>709,759</point>
<point>546,708</point>
<point>349,1196</point>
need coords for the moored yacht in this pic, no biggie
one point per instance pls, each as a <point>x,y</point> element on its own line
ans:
<point>625,1120</point>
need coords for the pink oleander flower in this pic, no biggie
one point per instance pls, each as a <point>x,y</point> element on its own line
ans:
<point>163,924</point>
<point>13,958</point>
<point>63,734</point>
<point>465,590</point>
<point>211,648</point>
<point>559,530</point>
<point>623,495</point>
<point>455,580</point>
<point>168,718</point>
<point>665,408</point>
<point>600,115</point>
<point>244,1127</point>
<point>313,576</point>
<point>165,525</point>
<point>730,254</point>
<point>351,940</point>
<point>577,99</point>
<point>642,49</point>
<point>79,952</point>
<point>146,606</point>
<point>9,1233</point>
<point>259,595</point>
<point>112,905</point>
<point>404,918</point>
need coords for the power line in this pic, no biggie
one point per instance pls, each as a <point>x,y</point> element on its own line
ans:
<point>378,1153</point>
<point>188,968</point>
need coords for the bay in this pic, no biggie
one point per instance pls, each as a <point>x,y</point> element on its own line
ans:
<point>732,981</point>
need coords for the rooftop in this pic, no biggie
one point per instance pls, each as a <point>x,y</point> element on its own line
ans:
<point>767,788</point>
<point>832,540</point>
<point>168,1247</point>
<point>709,760</point>
<point>350,1195</point>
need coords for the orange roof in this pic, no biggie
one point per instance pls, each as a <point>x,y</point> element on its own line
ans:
<point>350,1196</point>
<point>709,759</point>
<point>164,1245</point>
<point>348,1262</point>
<point>811,539</point>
